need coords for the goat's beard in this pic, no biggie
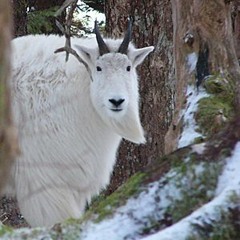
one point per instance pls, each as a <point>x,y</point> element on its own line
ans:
<point>129,126</point>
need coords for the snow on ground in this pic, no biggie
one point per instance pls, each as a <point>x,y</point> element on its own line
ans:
<point>228,184</point>
<point>189,132</point>
<point>138,213</point>
<point>129,221</point>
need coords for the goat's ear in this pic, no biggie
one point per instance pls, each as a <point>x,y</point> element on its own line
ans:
<point>87,54</point>
<point>138,55</point>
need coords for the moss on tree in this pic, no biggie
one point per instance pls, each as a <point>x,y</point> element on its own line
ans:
<point>217,109</point>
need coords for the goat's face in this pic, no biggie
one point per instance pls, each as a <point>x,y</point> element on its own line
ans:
<point>114,86</point>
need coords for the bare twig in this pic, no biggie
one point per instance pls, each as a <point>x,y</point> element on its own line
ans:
<point>67,32</point>
<point>69,50</point>
<point>61,28</point>
<point>66,4</point>
<point>4,217</point>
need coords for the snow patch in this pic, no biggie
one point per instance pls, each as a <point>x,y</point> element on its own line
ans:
<point>192,59</point>
<point>189,132</point>
<point>199,148</point>
<point>231,173</point>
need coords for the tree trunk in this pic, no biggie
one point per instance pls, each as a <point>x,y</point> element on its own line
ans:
<point>152,26</point>
<point>202,29</point>
<point>8,142</point>
<point>236,25</point>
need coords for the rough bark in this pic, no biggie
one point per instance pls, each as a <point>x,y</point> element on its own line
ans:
<point>236,25</point>
<point>8,142</point>
<point>152,26</point>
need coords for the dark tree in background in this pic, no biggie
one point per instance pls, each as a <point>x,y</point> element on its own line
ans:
<point>20,17</point>
<point>36,16</point>
<point>152,26</point>
<point>43,11</point>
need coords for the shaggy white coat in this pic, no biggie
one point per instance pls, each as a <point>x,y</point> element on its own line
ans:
<point>68,133</point>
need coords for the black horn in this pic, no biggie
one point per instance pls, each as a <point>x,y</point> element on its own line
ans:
<point>101,44</point>
<point>127,38</point>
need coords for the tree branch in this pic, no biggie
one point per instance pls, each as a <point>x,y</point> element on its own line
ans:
<point>70,50</point>
<point>66,30</point>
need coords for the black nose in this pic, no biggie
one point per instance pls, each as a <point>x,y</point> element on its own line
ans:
<point>116,102</point>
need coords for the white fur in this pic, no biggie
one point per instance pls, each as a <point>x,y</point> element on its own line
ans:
<point>68,133</point>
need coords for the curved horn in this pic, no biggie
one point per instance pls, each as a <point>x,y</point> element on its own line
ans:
<point>127,38</point>
<point>101,44</point>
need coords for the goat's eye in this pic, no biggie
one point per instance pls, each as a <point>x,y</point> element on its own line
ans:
<point>128,68</point>
<point>99,69</point>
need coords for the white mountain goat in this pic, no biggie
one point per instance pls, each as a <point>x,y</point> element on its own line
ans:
<point>71,120</point>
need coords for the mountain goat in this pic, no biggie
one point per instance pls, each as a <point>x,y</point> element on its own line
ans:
<point>70,119</point>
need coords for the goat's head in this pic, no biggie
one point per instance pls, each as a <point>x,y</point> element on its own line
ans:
<point>114,86</point>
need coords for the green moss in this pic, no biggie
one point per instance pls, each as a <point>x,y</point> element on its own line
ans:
<point>103,207</point>
<point>213,113</point>
<point>181,159</point>
<point>218,84</point>
<point>153,226</point>
<point>198,140</point>
<point>5,229</point>
<point>217,109</point>
<point>176,158</point>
